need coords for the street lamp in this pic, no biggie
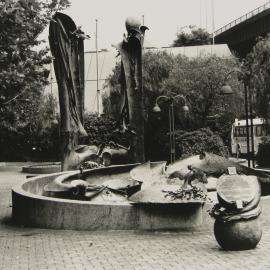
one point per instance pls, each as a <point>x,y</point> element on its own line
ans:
<point>226,90</point>
<point>184,109</point>
<point>248,109</point>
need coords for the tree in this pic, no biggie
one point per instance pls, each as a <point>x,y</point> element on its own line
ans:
<point>156,67</point>
<point>257,64</point>
<point>23,72</point>
<point>199,79</point>
<point>197,36</point>
<point>23,69</point>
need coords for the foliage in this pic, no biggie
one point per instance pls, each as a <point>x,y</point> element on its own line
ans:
<point>197,79</point>
<point>102,129</point>
<point>257,64</point>
<point>156,67</point>
<point>263,155</point>
<point>187,143</point>
<point>200,80</point>
<point>23,66</point>
<point>36,137</point>
<point>201,140</point>
<point>197,36</point>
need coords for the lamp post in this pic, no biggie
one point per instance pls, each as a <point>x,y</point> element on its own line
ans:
<point>248,110</point>
<point>184,109</point>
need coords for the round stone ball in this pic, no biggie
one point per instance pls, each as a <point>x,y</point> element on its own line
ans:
<point>238,235</point>
<point>132,23</point>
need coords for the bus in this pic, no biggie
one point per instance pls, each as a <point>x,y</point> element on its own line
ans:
<point>239,135</point>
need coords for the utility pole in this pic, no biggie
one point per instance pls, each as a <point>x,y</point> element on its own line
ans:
<point>51,79</point>
<point>206,16</point>
<point>200,13</point>
<point>98,93</point>
<point>213,22</point>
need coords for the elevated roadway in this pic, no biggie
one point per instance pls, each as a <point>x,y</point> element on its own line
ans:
<point>241,34</point>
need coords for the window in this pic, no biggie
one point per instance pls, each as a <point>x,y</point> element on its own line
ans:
<point>241,131</point>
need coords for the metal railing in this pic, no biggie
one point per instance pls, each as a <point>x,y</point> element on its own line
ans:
<point>243,18</point>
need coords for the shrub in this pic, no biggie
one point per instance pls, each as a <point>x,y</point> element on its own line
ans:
<point>32,136</point>
<point>263,156</point>
<point>187,143</point>
<point>194,142</point>
<point>102,129</point>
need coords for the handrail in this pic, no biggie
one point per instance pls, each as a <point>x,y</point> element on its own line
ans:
<point>243,18</point>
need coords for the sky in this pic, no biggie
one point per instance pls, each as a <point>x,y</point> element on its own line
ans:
<point>164,18</point>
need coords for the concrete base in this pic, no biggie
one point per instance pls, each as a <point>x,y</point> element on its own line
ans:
<point>30,208</point>
<point>74,215</point>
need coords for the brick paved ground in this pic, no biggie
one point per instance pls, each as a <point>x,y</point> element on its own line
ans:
<point>26,248</point>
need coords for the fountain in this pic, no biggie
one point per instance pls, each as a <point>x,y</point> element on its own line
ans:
<point>53,201</point>
<point>139,195</point>
<point>108,197</point>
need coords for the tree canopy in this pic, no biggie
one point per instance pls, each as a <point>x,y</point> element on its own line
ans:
<point>257,65</point>
<point>197,36</point>
<point>23,65</point>
<point>198,79</point>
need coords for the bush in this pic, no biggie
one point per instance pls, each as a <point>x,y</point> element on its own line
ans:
<point>24,145</point>
<point>39,140</point>
<point>32,136</point>
<point>263,156</point>
<point>187,143</point>
<point>102,129</point>
<point>190,143</point>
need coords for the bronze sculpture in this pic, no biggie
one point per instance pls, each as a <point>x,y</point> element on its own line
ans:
<point>132,92</point>
<point>66,43</point>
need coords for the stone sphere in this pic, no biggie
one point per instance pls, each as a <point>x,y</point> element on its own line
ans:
<point>238,235</point>
<point>132,23</point>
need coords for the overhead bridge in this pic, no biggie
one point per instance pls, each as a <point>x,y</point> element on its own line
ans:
<point>241,34</point>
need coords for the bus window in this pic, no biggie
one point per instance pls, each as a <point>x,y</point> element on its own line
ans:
<point>242,131</point>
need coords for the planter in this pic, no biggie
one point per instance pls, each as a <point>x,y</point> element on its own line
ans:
<point>238,234</point>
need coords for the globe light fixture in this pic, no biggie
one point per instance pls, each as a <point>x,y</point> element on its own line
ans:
<point>156,108</point>
<point>226,90</point>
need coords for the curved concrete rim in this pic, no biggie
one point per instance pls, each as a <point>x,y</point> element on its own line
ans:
<point>35,210</point>
<point>42,168</point>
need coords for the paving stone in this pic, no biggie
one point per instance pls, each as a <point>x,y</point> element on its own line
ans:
<point>38,249</point>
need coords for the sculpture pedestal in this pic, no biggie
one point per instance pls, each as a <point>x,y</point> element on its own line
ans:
<point>239,234</point>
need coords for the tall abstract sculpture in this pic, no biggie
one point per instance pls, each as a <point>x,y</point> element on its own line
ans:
<point>66,43</point>
<point>132,92</point>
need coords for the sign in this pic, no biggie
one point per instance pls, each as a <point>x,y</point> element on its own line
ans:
<point>232,170</point>
<point>235,189</point>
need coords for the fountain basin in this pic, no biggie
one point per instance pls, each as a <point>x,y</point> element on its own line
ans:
<point>32,208</point>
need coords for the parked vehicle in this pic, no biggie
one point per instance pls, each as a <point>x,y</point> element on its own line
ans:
<point>239,135</point>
